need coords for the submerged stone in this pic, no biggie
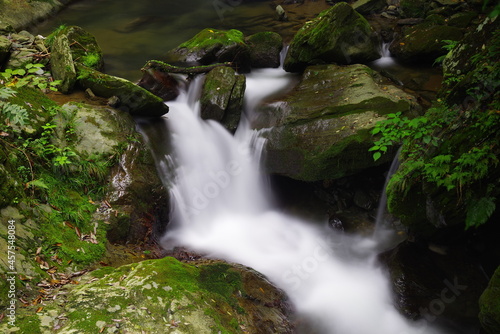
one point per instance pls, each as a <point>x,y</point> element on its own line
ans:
<point>321,130</point>
<point>338,35</point>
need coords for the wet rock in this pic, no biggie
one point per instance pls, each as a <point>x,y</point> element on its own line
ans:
<point>83,45</point>
<point>5,45</point>
<point>23,13</point>
<point>211,46</point>
<point>160,84</point>
<point>62,64</point>
<point>326,135</point>
<point>441,288</point>
<point>338,35</point>
<point>366,7</point>
<point>133,99</point>
<point>423,43</point>
<point>222,96</point>
<point>167,296</point>
<point>265,49</point>
<point>489,305</point>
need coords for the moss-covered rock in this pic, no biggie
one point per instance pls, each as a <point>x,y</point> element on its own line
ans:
<point>265,49</point>
<point>62,64</point>
<point>423,43</point>
<point>320,130</point>
<point>133,99</point>
<point>489,305</point>
<point>338,35</point>
<point>211,46</point>
<point>166,296</point>
<point>5,45</point>
<point>222,96</point>
<point>83,45</point>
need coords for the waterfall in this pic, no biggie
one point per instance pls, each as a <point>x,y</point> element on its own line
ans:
<point>223,208</point>
<point>385,59</point>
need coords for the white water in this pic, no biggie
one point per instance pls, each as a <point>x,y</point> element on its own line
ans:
<point>223,208</point>
<point>385,59</point>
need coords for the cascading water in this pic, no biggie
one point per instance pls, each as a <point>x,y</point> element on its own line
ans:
<point>223,209</point>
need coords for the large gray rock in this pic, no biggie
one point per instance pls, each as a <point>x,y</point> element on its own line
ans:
<point>222,96</point>
<point>338,35</point>
<point>133,99</point>
<point>62,64</point>
<point>320,130</point>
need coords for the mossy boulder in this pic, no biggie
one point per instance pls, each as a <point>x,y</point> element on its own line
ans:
<point>62,64</point>
<point>265,49</point>
<point>338,35</point>
<point>222,96</point>
<point>211,46</point>
<point>83,45</point>
<point>165,296</point>
<point>132,98</point>
<point>11,186</point>
<point>489,305</point>
<point>5,45</point>
<point>135,193</point>
<point>423,43</point>
<point>321,129</point>
<point>462,19</point>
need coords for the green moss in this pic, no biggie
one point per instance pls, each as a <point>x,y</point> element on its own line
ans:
<point>210,37</point>
<point>489,304</point>
<point>29,323</point>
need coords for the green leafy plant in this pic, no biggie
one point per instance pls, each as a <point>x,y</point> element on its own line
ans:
<point>33,75</point>
<point>14,113</point>
<point>448,46</point>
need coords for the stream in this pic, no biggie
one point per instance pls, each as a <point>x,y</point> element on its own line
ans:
<point>222,202</point>
<point>223,207</point>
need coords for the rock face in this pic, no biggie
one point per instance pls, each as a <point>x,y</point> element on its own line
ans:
<point>320,130</point>
<point>62,64</point>
<point>423,42</point>
<point>167,296</point>
<point>22,13</point>
<point>210,46</point>
<point>132,98</point>
<point>365,7</point>
<point>265,49</point>
<point>489,314</point>
<point>222,97</point>
<point>338,35</point>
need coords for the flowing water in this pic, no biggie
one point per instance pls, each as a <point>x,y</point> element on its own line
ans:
<point>222,207</point>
